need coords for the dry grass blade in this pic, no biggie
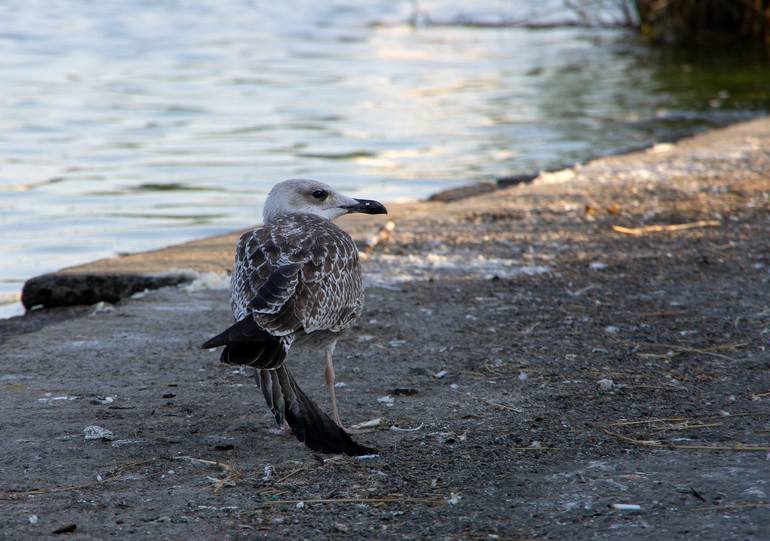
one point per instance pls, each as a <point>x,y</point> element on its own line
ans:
<point>710,350</point>
<point>688,427</point>
<point>384,499</point>
<point>732,507</point>
<point>738,447</point>
<point>661,313</point>
<point>114,475</point>
<point>291,474</point>
<point>231,474</point>
<point>498,405</point>
<point>650,421</point>
<point>654,420</point>
<point>639,231</point>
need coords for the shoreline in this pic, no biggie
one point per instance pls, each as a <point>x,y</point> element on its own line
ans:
<point>115,278</point>
<point>583,357</point>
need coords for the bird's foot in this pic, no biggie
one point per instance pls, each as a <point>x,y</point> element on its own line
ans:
<point>283,430</point>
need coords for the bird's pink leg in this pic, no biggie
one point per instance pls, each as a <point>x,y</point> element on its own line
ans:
<point>330,384</point>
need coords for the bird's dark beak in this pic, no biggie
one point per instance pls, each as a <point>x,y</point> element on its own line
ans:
<point>367,206</point>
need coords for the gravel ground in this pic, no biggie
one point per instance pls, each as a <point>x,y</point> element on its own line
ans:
<point>549,377</point>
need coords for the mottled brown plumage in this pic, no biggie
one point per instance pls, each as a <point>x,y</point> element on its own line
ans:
<point>291,282</point>
<point>296,279</point>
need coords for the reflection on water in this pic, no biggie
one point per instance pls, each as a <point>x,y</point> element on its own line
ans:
<point>126,126</point>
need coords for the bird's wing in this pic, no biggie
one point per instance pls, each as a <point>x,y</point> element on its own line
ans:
<point>294,275</point>
<point>330,294</point>
<point>264,281</point>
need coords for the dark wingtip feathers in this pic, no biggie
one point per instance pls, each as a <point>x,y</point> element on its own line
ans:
<point>246,343</point>
<point>309,423</point>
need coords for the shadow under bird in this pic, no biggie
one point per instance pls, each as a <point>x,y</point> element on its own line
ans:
<point>296,280</point>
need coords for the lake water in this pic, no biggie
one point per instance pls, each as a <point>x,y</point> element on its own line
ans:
<point>129,125</point>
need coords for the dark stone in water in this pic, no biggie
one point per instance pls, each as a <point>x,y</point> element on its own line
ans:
<point>455,194</point>
<point>515,180</point>
<point>67,289</point>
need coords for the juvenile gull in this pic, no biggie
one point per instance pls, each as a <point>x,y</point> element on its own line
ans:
<point>296,280</point>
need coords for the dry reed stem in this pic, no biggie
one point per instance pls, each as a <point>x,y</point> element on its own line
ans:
<point>498,405</point>
<point>112,476</point>
<point>231,474</point>
<point>639,231</point>
<point>710,350</point>
<point>738,447</point>
<point>661,313</point>
<point>292,473</point>
<point>386,499</point>
<point>731,507</point>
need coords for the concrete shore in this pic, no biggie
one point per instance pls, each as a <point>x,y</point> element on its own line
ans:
<point>582,357</point>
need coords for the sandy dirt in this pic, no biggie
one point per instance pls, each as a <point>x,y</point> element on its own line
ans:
<point>549,377</point>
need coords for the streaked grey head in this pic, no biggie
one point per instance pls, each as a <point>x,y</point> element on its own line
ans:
<point>305,196</point>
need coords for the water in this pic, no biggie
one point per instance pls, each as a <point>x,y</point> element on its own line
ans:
<point>128,125</point>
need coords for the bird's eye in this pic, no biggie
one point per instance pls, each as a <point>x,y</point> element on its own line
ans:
<point>320,194</point>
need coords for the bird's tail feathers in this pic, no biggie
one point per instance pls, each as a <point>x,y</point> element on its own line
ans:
<point>246,343</point>
<point>308,422</point>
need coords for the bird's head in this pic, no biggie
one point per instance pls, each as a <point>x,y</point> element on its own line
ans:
<point>304,196</point>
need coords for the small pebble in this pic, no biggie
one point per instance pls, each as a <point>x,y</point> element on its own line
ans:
<point>606,384</point>
<point>626,506</point>
<point>611,329</point>
<point>67,528</point>
<point>95,432</point>
<point>33,519</point>
<point>440,374</point>
<point>404,391</point>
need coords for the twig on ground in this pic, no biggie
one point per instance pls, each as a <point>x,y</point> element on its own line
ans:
<point>734,507</point>
<point>231,474</point>
<point>649,421</point>
<point>739,447</point>
<point>710,350</point>
<point>665,387</point>
<point>661,313</point>
<point>653,420</point>
<point>292,473</point>
<point>498,405</point>
<point>688,427</point>
<point>384,499</point>
<point>114,475</point>
<point>659,228</point>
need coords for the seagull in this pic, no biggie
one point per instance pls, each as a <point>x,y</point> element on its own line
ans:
<point>296,281</point>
